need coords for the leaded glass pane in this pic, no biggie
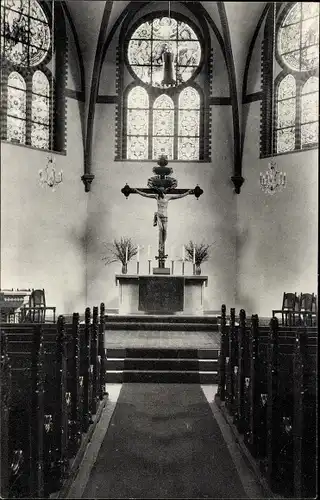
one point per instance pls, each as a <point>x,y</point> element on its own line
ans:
<point>137,148</point>
<point>40,136</point>
<point>16,129</point>
<point>289,38</point>
<point>163,102</point>
<point>40,84</point>
<point>189,99</point>
<point>162,146</point>
<point>16,104</point>
<point>310,32</point>
<point>293,15</point>
<point>163,122</point>
<point>138,98</point>
<point>188,148</point>
<point>286,113</point>
<point>26,30</point>
<point>311,85</point>
<point>164,28</point>
<point>189,54</point>
<point>144,30</point>
<point>310,58</point>
<point>285,140</point>
<point>287,87</point>
<point>310,9</point>
<point>188,123</point>
<point>185,32</point>
<point>309,133</point>
<point>143,72</point>
<point>138,121</point>
<point>139,52</point>
<point>40,109</point>
<point>146,47</point>
<point>309,107</point>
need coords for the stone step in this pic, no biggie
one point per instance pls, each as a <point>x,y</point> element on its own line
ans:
<point>165,377</point>
<point>184,326</point>
<point>160,318</point>
<point>156,364</point>
<point>160,353</point>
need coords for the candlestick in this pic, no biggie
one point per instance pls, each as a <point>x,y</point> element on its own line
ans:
<point>194,269</point>
<point>138,265</point>
<point>183,268</point>
<point>194,255</point>
<point>126,254</point>
<point>172,267</point>
<point>149,250</point>
<point>149,266</point>
<point>183,253</point>
<point>138,254</point>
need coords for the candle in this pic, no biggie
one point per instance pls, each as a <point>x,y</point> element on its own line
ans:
<point>194,255</point>
<point>126,254</point>
<point>138,254</point>
<point>149,250</point>
<point>183,253</point>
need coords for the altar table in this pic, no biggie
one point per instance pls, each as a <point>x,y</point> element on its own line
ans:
<point>161,294</point>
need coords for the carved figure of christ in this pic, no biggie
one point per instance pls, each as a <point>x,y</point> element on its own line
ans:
<point>161,216</point>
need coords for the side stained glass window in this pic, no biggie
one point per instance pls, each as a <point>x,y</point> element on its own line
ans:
<point>162,104</point>
<point>296,90</point>
<point>16,108</point>
<point>25,49</point>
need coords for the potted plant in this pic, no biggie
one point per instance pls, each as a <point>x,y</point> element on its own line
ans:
<point>121,251</point>
<point>197,253</point>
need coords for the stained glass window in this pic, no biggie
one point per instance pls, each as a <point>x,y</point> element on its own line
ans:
<point>296,89</point>
<point>298,37</point>
<point>26,43</point>
<point>40,110</point>
<point>162,114</point>
<point>16,108</point>
<point>153,39</point>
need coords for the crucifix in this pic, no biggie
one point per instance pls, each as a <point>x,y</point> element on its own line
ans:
<point>162,188</point>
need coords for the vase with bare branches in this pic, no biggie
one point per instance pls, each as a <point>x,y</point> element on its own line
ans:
<point>197,253</point>
<point>120,251</point>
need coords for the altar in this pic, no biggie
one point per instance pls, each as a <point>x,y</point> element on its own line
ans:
<point>161,294</point>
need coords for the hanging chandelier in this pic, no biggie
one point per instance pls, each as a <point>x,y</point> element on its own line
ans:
<point>48,176</point>
<point>273,181</point>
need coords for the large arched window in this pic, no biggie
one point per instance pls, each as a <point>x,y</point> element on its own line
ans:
<point>162,100</point>
<point>28,84</point>
<point>295,72</point>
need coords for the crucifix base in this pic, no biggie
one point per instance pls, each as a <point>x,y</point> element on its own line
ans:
<point>161,270</point>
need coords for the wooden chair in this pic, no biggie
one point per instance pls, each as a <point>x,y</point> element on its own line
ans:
<point>36,310</point>
<point>308,308</point>
<point>289,310</point>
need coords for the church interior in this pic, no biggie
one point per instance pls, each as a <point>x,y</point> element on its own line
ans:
<point>159,244</point>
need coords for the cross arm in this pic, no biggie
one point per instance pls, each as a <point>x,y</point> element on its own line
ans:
<point>127,190</point>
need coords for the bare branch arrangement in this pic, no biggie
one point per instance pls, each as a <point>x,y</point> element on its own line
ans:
<point>120,251</point>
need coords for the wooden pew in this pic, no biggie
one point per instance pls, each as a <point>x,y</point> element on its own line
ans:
<point>269,389</point>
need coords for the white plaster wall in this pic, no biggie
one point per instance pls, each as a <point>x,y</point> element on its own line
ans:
<point>277,241</point>
<point>211,218</point>
<point>43,232</point>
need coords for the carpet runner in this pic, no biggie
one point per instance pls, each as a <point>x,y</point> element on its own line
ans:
<point>163,442</point>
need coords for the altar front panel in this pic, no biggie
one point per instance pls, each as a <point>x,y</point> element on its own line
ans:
<point>161,295</point>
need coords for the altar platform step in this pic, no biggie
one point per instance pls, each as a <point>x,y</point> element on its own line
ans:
<point>160,365</point>
<point>161,322</point>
